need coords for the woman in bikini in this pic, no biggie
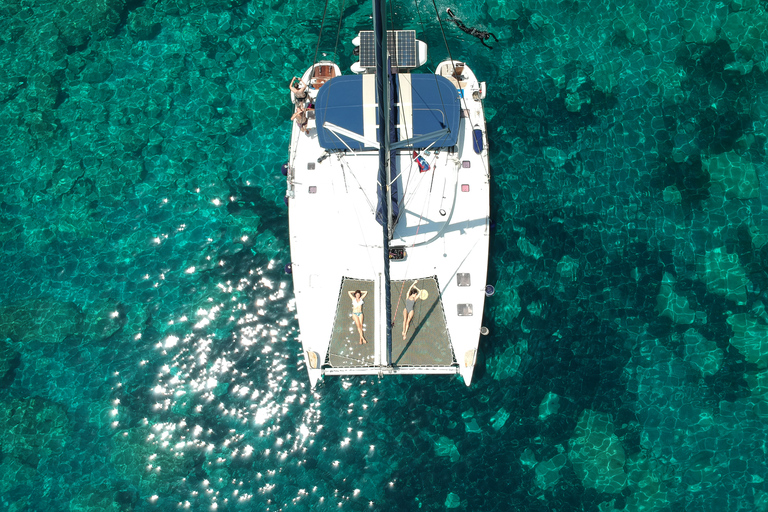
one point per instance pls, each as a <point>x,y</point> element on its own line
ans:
<point>413,295</point>
<point>300,92</point>
<point>357,311</point>
<point>301,118</point>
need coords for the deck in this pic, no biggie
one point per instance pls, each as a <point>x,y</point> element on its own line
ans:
<point>426,343</point>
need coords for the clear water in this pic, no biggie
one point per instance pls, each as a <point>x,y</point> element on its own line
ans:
<point>151,358</point>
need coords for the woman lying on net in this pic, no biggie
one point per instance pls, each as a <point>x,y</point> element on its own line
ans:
<point>357,311</point>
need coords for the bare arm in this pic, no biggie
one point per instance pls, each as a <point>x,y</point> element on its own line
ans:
<point>352,296</point>
<point>365,292</point>
<point>299,111</point>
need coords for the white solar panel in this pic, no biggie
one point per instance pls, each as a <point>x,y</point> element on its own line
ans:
<point>401,45</point>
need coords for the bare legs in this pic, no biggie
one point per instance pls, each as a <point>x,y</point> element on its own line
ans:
<point>359,324</point>
<point>407,317</point>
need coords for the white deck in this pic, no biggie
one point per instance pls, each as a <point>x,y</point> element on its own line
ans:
<point>334,234</point>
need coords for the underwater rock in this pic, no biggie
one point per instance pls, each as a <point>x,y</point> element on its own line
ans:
<point>568,268</point>
<point>505,9</point>
<point>743,67</point>
<point>499,419</point>
<point>723,275</point>
<point>80,20</point>
<point>671,305</point>
<point>472,427</point>
<point>575,100</point>
<point>701,20</point>
<point>672,195</point>
<point>758,383</point>
<point>557,157</point>
<point>733,174</point>
<point>507,364</point>
<point>746,33</point>
<point>141,24</point>
<point>548,471</point>
<point>95,499</point>
<point>668,78</point>
<point>550,404</point>
<point>596,453</point>
<point>452,501</point>
<point>32,429</point>
<point>527,248</point>
<point>15,473</point>
<point>528,458</point>
<point>138,455</point>
<point>750,338</point>
<point>8,355</point>
<point>631,25</point>
<point>647,479</point>
<point>102,320</point>
<point>605,76</point>
<point>761,501</point>
<point>48,321</point>
<point>445,447</point>
<point>702,353</point>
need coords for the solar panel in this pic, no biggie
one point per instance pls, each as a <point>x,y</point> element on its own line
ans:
<point>406,48</point>
<point>401,45</point>
<point>367,50</point>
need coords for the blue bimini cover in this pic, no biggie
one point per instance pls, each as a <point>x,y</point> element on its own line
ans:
<point>340,102</point>
<point>435,106</point>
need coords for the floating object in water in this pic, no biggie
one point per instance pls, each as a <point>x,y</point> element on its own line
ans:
<point>489,290</point>
<point>284,170</point>
<point>484,331</point>
<point>288,268</point>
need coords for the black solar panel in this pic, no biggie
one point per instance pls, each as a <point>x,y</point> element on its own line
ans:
<point>367,50</point>
<point>406,48</point>
<point>401,45</point>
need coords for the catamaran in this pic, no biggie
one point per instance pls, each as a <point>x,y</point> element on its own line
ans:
<point>388,192</point>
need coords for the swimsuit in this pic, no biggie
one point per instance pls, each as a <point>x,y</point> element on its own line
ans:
<point>355,304</point>
<point>409,305</point>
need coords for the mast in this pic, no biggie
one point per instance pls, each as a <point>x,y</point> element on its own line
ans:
<point>382,94</point>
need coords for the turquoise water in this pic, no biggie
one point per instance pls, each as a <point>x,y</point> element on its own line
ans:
<point>149,353</point>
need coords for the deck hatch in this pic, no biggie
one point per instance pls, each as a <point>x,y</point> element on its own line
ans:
<point>463,279</point>
<point>464,309</point>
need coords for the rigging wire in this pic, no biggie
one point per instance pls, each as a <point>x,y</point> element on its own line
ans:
<point>338,30</point>
<point>345,165</point>
<point>322,24</point>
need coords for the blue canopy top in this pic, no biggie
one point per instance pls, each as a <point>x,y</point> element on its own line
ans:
<point>435,106</point>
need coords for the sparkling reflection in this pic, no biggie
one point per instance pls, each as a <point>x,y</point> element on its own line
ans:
<point>233,421</point>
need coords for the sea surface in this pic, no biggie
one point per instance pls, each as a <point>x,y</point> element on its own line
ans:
<point>149,350</point>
